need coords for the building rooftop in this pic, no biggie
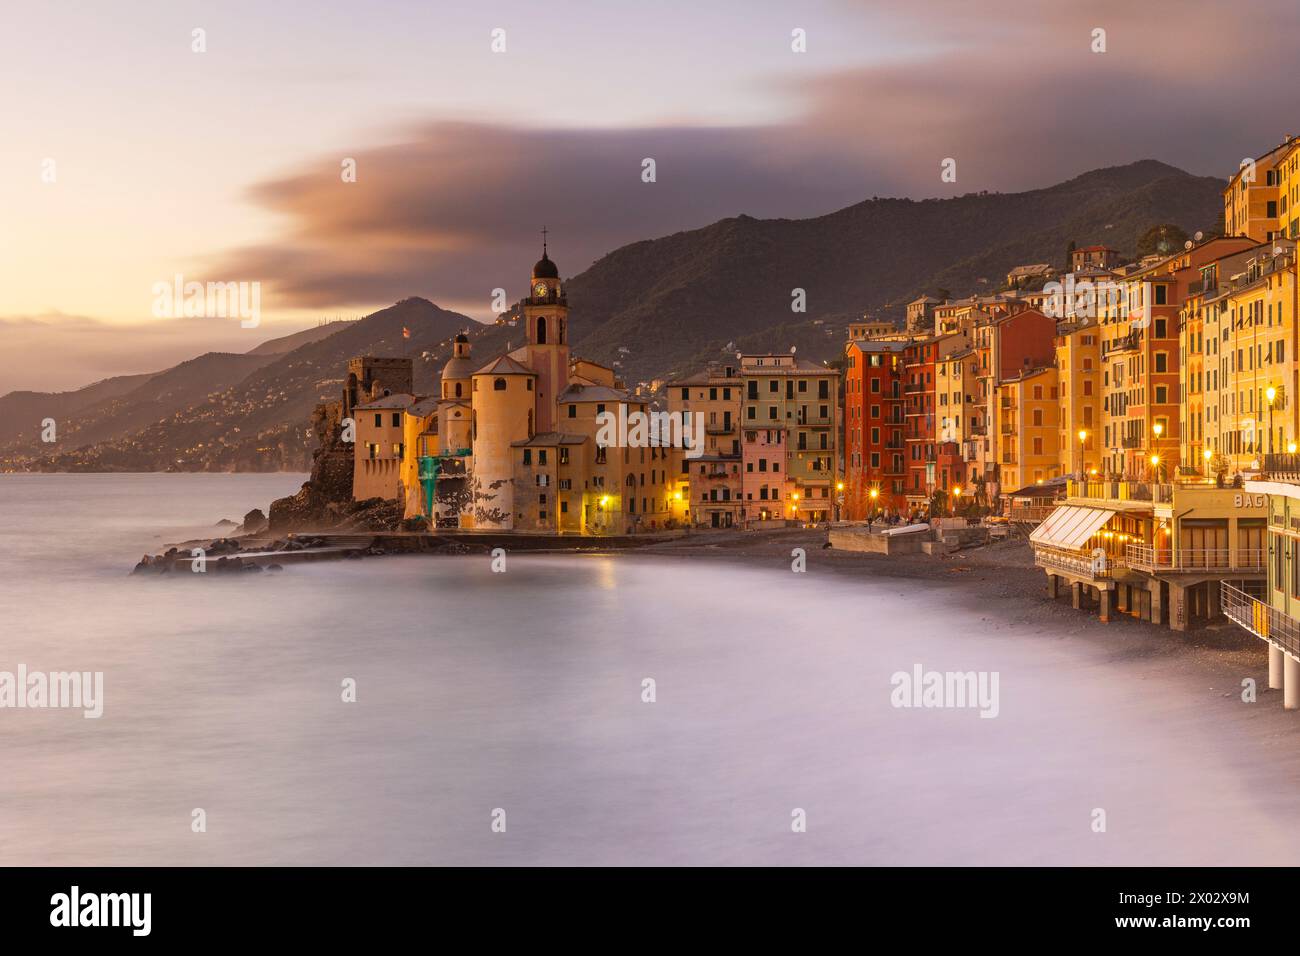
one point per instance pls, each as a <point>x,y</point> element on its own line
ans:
<point>549,440</point>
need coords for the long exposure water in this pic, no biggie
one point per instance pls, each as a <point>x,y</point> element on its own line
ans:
<point>523,692</point>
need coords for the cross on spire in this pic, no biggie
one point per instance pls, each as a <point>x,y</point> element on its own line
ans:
<point>543,242</point>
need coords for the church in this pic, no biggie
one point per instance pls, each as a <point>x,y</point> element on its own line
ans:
<point>510,444</point>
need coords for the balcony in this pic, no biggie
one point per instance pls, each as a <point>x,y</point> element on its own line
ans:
<point>719,428</point>
<point>1142,491</point>
<point>1261,620</point>
<point>1131,441</point>
<point>980,430</point>
<point>1282,468</point>
<point>913,388</point>
<point>1029,514</point>
<point>1008,428</point>
<point>1144,557</point>
<point>1084,566</point>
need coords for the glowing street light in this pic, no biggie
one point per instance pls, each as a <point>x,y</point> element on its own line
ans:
<point>1290,448</point>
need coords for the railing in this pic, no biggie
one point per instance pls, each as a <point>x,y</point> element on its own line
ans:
<point>1029,514</point>
<point>1282,467</point>
<point>1131,441</point>
<point>913,387</point>
<point>1080,565</point>
<point>1008,428</point>
<point>1144,557</point>
<point>1260,619</point>
<point>979,429</point>
<point>718,428</point>
<point>1122,490</point>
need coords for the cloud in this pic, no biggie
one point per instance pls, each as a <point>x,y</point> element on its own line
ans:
<point>454,209</point>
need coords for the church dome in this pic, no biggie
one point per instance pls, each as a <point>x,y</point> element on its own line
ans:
<point>545,269</point>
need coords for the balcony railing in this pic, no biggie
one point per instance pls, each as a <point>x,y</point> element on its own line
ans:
<point>1147,558</point>
<point>1080,565</point>
<point>1029,514</point>
<point>1260,619</point>
<point>718,428</point>
<point>1131,441</point>
<point>1123,490</point>
<point>1282,467</point>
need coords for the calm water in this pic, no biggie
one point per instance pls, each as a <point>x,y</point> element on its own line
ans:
<point>522,691</point>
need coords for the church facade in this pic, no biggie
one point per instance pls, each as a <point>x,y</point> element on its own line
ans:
<point>512,444</point>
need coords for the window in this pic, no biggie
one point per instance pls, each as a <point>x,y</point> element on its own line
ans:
<point>541,456</point>
<point>379,420</point>
<point>499,385</point>
<point>564,456</point>
<point>1162,361</point>
<point>528,456</point>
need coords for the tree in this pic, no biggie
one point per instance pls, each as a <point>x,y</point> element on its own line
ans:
<point>1161,240</point>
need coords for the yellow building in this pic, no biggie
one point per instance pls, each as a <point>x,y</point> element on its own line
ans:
<point>1249,407</point>
<point>710,484</point>
<point>380,448</point>
<point>1078,366</point>
<point>1029,417</point>
<point>1252,198</point>
<point>792,403</point>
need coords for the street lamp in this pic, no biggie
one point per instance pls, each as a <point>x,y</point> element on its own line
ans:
<point>1155,467</point>
<point>1207,455</point>
<point>1083,437</point>
<point>875,493</point>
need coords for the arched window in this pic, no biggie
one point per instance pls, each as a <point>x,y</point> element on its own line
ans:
<point>458,389</point>
<point>541,330</point>
<point>562,325</point>
<point>499,385</point>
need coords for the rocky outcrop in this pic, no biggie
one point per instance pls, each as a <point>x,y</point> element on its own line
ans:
<point>254,522</point>
<point>330,485</point>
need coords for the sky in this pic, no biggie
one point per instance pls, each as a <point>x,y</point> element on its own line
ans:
<point>130,157</point>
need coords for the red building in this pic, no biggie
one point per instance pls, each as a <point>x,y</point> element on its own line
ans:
<point>919,360</point>
<point>874,447</point>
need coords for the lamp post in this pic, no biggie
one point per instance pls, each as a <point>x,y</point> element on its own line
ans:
<point>1155,468</point>
<point>871,512</point>
<point>1207,455</point>
<point>1157,429</point>
<point>1083,437</point>
<point>839,498</point>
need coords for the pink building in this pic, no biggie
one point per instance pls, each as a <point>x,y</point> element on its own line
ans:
<point>764,484</point>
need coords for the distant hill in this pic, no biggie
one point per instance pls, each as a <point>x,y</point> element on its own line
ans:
<point>677,300</point>
<point>287,343</point>
<point>224,412</point>
<point>652,309</point>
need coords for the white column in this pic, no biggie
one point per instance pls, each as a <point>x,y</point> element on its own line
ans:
<point>1291,683</point>
<point>1274,667</point>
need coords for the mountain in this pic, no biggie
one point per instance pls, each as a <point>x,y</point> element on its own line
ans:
<point>223,412</point>
<point>287,343</point>
<point>677,300</point>
<point>652,309</point>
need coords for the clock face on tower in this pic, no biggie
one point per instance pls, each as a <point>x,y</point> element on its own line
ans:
<point>540,290</point>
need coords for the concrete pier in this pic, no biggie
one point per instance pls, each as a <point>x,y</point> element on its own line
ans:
<point>1274,667</point>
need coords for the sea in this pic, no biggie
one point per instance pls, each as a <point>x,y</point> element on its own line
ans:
<point>616,709</point>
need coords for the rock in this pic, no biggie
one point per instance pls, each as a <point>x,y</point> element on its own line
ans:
<point>225,523</point>
<point>275,568</point>
<point>254,522</point>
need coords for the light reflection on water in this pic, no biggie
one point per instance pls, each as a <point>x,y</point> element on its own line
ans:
<point>522,691</point>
